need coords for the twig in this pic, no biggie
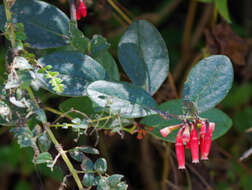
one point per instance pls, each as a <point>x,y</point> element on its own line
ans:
<point>172,185</point>
<point>120,12</point>
<point>72,10</point>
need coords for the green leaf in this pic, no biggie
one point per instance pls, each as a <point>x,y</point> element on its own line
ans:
<point>243,119</point>
<point>44,158</point>
<point>77,39</point>
<point>45,25</point>
<point>87,165</point>
<point>144,55</point>
<point>76,71</point>
<point>222,121</point>
<point>87,149</point>
<point>44,142</point>
<point>102,184</point>
<point>238,96</point>
<point>100,166</point>
<point>88,179</point>
<point>209,82</point>
<point>121,186</point>
<point>98,44</point>
<point>113,180</point>
<point>9,113</point>
<point>222,6</point>
<point>41,116</point>
<point>83,104</point>
<point>22,185</point>
<point>78,153</point>
<point>109,64</point>
<point>124,98</point>
<point>24,136</point>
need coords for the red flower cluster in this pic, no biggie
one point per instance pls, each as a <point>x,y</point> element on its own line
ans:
<point>81,9</point>
<point>191,141</point>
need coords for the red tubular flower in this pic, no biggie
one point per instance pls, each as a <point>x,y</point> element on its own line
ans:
<point>186,134</point>
<point>81,9</point>
<point>194,145</point>
<point>202,139</point>
<point>207,141</point>
<point>180,150</point>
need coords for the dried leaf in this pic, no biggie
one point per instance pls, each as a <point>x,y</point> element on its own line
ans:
<point>222,40</point>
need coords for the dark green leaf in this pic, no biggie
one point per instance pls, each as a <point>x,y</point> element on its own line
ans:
<point>100,166</point>
<point>209,82</point>
<point>238,96</point>
<point>45,25</point>
<point>76,71</point>
<point>44,142</point>
<point>87,165</point>
<point>9,113</point>
<point>102,184</point>
<point>144,56</point>
<point>76,154</point>
<point>98,44</point>
<point>222,121</point>
<point>87,149</point>
<point>109,64</point>
<point>113,180</point>
<point>124,98</point>
<point>44,158</point>
<point>83,104</point>
<point>222,6</point>
<point>121,186</point>
<point>77,39</point>
<point>88,179</point>
<point>41,116</point>
<point>24,136</point>
<point>243,119</point>
<point>206,1</point>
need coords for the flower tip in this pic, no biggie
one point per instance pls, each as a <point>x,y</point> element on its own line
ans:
<point>181,167</point>
<point>204,157</point>
<point>165,132</point>
<point>195,161</point>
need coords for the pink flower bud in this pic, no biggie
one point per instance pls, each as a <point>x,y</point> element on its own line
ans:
<point>180,150</point>
<point>194,145</point>
<point>167,130</point>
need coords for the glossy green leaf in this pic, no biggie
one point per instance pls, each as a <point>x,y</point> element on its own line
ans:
<point>222,7</point>
<point>87,165</point>
<point>124,98</point>
<point>121,186</point>
<point>44,158</point>
<point>76,71</point>
<point>100,166</point>
<point>44,25</point>
<point>44,142</point>
<point>102,184</point>
<point>109,64</point>
<point>113,180</point>
<point>88,179</point>
<point>222,121</point>
<point>78,153</point>
<point>24,136</point>
<point>83,104</point>
<point>77,39</point>
<point>144,55</point>
<point>9,113</point>
<point>209,82</point>
<point>98,44</point>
